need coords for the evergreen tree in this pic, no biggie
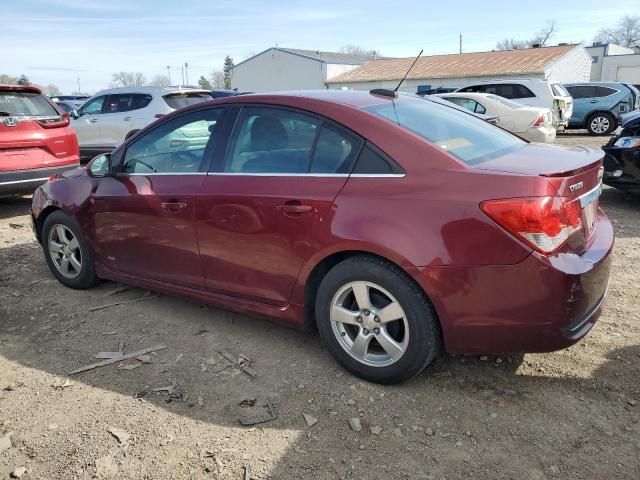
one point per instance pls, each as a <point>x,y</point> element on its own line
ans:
<point>204,83</point>
<point>24,80</point>
<point>228,66</point>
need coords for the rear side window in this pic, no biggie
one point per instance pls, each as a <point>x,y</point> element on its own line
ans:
<point>335,151</point>
<point>373,162</point>
<point>582,91</point>
<point>506,90</point>
<point>24,104</point>
<point>467,103</point>
<point>464,136</point>
<point>271,140</point>
<point>184,99</point>
<point>605,91</point>
<point>125,102</point>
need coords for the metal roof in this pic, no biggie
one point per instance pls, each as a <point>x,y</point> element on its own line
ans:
<point>477,64</point>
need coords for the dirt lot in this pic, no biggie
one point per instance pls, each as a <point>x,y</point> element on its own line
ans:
<point>569,414</point>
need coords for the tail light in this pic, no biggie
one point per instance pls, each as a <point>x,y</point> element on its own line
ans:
<point>544,223</point>
<point>539,121</point>
<point>55,122</point>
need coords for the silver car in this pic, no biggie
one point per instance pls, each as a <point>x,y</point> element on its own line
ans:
<point>110,116</point>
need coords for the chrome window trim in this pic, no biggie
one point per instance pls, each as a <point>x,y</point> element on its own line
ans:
<point>327,175</point>
<point>121,174</point>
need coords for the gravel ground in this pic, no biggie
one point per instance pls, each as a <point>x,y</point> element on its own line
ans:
<point>570,414</point>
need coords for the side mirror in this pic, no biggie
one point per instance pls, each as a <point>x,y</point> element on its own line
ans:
<point>100,166</point>
<point>74,113</point>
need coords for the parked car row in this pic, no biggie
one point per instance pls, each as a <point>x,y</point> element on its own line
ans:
<point>595,106</point>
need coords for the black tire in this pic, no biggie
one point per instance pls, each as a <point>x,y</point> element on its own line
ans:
<point>131,134</point>
<point>86,276</point>
<point>601,123</point>
<point>423,341</point>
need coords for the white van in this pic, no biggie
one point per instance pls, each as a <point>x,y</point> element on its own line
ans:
<point>533,92</point>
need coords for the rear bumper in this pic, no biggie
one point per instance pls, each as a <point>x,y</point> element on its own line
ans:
<point>538,305</point>
<point>26,181</point>
<point>540,134</point>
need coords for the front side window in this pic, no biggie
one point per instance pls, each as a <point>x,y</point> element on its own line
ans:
<point>466,137</point>
<point>177,146</point>
<point>271,140</point>
<point>93,107</point>
<point>24,104</point>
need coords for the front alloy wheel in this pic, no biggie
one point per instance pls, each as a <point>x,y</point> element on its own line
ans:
<point>65,251</point>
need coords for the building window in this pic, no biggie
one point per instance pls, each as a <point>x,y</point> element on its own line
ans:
<point>594,59</point>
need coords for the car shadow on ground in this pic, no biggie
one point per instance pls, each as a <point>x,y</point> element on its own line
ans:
<point>463,415</point>
<point>14,206</point>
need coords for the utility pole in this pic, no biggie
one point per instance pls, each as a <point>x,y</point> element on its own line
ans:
<point>79,90</point>
<point>169,73</point>
<point>182,70</point>
<point>460,43</point>
<point>186,72</point>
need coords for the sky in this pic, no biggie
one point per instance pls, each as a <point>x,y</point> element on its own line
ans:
<point>61,41</point>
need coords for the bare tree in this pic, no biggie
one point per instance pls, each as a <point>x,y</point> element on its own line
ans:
<point>540,38</point>
<point>359,50</point>
<point>128,79</point>
<point>217,79</point>
<point>7,79</point>
<point>625,33</point>
<point>160,81</point>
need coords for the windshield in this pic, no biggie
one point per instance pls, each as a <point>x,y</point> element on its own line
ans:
<point>505,101</point>
<point>184,99</point>
<point>24,104</point>
<point>559,90</point>
<point>464,136</point>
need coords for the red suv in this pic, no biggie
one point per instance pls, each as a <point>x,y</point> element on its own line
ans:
<point>35,140</point>
<point>394,224</point>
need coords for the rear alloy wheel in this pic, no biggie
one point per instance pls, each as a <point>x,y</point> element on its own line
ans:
<point>66,252</point>
<point>375,320</point>
<point>600,124</point>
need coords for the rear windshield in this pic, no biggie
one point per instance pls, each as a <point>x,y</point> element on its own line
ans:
<point>559,90</point>
<point>184,99</point>
<point>463,135</point>
<point>24,104</point>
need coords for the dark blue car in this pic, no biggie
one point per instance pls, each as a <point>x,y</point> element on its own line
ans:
<point>597,106</point>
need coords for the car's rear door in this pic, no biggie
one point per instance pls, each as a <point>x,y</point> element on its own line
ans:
<point>144,215</point>
<point>271,189</point>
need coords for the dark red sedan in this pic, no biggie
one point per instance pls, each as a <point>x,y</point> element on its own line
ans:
<point>396,225</point>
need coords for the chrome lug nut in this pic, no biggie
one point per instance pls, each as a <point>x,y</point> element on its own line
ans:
<point>365,331</point>
<point>359,319</point>
<point>367,312</point>
<point>377,319</point>
<point>376,331</point>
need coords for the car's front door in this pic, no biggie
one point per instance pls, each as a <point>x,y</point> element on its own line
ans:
<point>144,215</point>
<point>271,190</point>
<point>87,125</point>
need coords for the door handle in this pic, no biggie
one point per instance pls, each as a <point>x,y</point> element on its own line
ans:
<point>93,120</point>
<point>174,207</point>
<point>294,208</point>
<point>126,119</point>
<point>593,101</point>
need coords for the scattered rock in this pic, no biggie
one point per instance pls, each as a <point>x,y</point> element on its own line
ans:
<point>554,469</point>
<point>53,426</point>
<point>429,432</point>
<point>63,385</point>
<point>397,432</point>
<point>633,403</point>
<point>484,358</point>
<point>106,467</point>
<point>375,430</point>
<point>351,402</point>
<point>18,472</point>
<point>5,442</point>
<point>200,402</point>
<point>355,425</point>
<point>122,436</point>
<point>300,387</point>
<point>310,419</point>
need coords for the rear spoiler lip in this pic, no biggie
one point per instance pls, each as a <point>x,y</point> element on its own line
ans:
<point>596,160</point>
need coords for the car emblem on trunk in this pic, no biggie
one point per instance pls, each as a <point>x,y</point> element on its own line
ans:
<point>576,186</point>
<point>10,121</point>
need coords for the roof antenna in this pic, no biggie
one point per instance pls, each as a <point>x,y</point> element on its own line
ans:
<point>385,92</point>
<point>405,75</point>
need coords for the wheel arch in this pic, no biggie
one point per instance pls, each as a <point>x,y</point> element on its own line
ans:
<point>315,274</point>
<point>601,111</point>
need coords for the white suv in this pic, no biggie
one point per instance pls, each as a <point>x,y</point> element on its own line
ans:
<point>532,92</point>
<point>110,116</point>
